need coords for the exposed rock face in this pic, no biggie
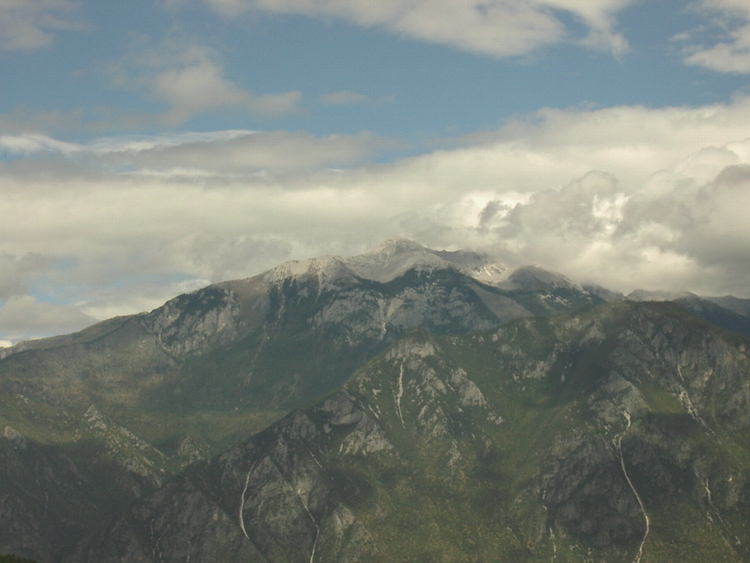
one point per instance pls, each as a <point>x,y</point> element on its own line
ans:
<point>267,500</point>
<point>45,501</point>
<point>634,466</point>
<point>197,322</point>
<point>284,491</point>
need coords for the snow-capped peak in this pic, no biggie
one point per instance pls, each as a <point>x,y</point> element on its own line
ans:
<point>392,259</point>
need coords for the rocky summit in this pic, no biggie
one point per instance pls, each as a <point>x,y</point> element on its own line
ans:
<point>402,405</point>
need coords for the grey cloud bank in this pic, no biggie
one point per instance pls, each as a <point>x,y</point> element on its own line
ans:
<point>626,197</point>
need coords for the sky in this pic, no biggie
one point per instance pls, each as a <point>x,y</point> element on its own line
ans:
<point>151,147</point>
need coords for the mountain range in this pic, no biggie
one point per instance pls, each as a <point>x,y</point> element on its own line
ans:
<point>402,405</point>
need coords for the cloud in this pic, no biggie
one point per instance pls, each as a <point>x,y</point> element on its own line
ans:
<point>24,315</point>
<point>200,86</point>
<point>136,143</point>
<point>31,24</point>
<point>213,256</point>
<point>190,79</point>
<point>276,152</point>
<point>599,18</point>
<point>15,270</point>
<point>551,147</point>
<point>24,119</point>
<point>498,28</point>
<point>709,224</point>
<point>223,154</point>
<point>728,48</point>
<point>681,228</point>
<point>626,197</point>
<point>34,143</point>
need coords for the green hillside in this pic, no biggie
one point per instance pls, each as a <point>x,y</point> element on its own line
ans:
<point>386,408</point>
<point>618,433</point>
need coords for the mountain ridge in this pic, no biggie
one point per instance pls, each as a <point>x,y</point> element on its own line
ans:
<point>391,406</point>
<point>392,259</point>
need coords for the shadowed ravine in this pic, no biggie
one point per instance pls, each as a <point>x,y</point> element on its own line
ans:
<point>647,520</point>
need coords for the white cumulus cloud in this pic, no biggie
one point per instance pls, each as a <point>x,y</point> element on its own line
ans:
<point>190,79</point>
<point>727,48</point>
<point>498,28</point>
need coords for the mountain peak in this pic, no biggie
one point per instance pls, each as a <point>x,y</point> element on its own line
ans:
<point>390,260</point>
<point>645,295</point>
<point>400,244</point>
<point>535,277</point>
<point>394,258</point>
